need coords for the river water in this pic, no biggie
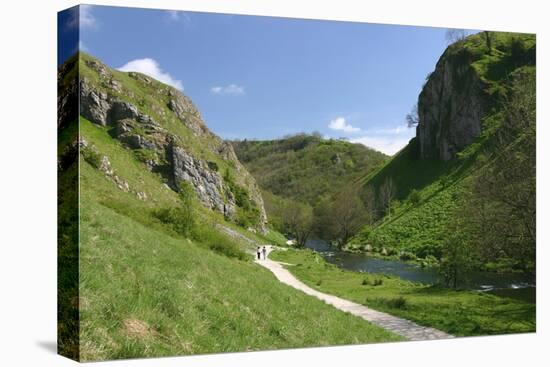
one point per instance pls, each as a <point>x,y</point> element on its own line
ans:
<point>509,285</point>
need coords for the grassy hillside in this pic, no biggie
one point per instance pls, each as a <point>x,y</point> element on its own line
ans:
<point>428,192</point>
<point>146,292</point>
<point>306,167</point>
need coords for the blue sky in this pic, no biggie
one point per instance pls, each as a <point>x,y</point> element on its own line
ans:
<point>265,77</point>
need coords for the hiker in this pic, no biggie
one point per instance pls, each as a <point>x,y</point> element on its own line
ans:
<point>264,252</point>
<point>258,253</point>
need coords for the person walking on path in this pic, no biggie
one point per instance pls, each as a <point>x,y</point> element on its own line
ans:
<point>258,252</point>
<point>264,252</point>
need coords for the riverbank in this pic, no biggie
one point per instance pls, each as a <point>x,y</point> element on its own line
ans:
<point>461,313</point>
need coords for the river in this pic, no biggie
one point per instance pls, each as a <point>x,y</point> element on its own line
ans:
<point>508,285</point>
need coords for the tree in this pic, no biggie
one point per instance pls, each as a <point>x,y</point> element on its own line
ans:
<point>453,35</point>
<point>458,257</point>
<point>349,215</point>
<point>297,219</point>
<point>368,196</point>
<point>386,194</point>
<point>412,118</point>
<point>341,217</point>
<point>488,41</point>
<point>501,212</point>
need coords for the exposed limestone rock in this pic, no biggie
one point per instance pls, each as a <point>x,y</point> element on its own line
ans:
<point>187,113</point>
<point>105,166</point>
<point>450,109</point>
<point>101,69</point>
<point>208,184</point>
<point>93,105</point>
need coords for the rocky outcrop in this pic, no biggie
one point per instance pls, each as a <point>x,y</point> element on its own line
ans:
<point>208,183</point>
<point>142,124</point>
<point>450,107</point>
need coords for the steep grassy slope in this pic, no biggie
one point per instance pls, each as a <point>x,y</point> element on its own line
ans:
<point>306,167</point>
<point>419,223</point>
<point>145,292</point>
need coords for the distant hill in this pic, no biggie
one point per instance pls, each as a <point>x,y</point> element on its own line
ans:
<point>304,167</point>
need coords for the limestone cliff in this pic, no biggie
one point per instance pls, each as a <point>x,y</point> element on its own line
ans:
<point>469,80</point>
<point>450,108</point>
<point>165,130</point>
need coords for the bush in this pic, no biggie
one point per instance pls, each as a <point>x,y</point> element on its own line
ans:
<point>376,282</point>
<point>397,302</point>
<point>406,256</point>
<point>213,166</point>
<point>91,156</point>
<point>146,155</point>
<point>414,197</point>
<point>181,219</point>
<point>208,236</point>
<point>177,218</point>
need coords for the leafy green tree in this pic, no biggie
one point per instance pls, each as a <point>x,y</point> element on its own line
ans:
<point>501,212</point>
<point>342,217</point>
<point>458,257</point>
<point>297,219</point>
<point>386,194</point>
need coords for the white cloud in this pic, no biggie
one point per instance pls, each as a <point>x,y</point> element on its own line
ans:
<point>231,89</point>
<point>152,68</point>
<point>340,124</point>
<point>383,144</point>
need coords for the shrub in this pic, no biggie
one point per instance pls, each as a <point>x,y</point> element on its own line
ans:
<point>365,282</point>
<point>146,155</point>
<point>397,302</point>
<point>91,156</point>
<point>208,236</point>
<point>177,218</point>
<point>180,218</point>
<point>405,256</point>
<point>377,282</point>
<point>414,197</point>
<point>213,166</point>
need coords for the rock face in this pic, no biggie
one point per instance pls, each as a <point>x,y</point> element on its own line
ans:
<point>450,108</point>
<point>208,183</point>
<point>144,130</point>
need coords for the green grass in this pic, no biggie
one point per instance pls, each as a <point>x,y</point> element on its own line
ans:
<point>144,293</point>
<point>461,313</point>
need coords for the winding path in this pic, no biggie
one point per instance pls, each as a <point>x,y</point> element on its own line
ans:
<point>405,328</point>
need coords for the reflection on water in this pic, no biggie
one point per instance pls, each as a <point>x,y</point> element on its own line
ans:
<point>508,285</point>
